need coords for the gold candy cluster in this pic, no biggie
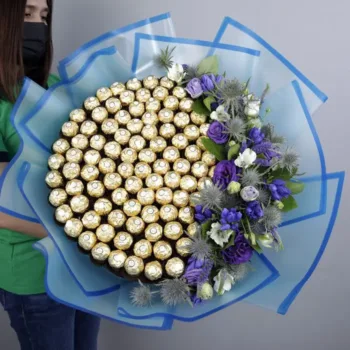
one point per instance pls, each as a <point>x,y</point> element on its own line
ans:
<point>123,175</point>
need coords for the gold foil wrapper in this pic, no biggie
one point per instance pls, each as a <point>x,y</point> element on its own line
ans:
<point>181,199</point>
<point>106,166</point>
<point>181,120</point>
<point>182,166</point>
<point>74,155</point>
<point>120,196</point>
<point>58,197</point>
<point>73,228</point>
<point>132,207</point>
<point>95,189</point>
<point>186,105</point>
<point>117,259</point>
<point>209,159</point>
<point>134,266</point>
<point>153,271</point>
<point>92,157</point>
<point>100,252</point>
<point>160,93</point>
<point>204,182</point>
<point>71,170</point>
<point>123,241</point>
<point>146,196</point>
<point>168,212</point>
<point>149,132</point>
<point>110,126</point>
<point>133,84</point>
<point>117,88</point>
<point>63,213</point>
<point>198,119</point>
<point>89,173</point>
<point>77,115</point>
<point>186,215</point>
<point>150,214</point>
<point>112,150</point>
<point>87,240</point>
<point>80,141</point>
<point>171,154</point>
<point>112,181</point>
<point>91,103</point>
<point>56,161</point>
<point>154,232</point>
<point>153,105</point>
<point>105,233</point>
<point>135,126</point>
<point>143,249</point>
<point>150,118</point>
<point>161,166</point>
<point>193,230</point>
<point>103,94</point>
<point>167,83</point>
<point>74,187</point>
<point>133,184</point>
<point>180,141</point>
<point>123,117</point>
<point>162,250</point>
<point>172,180</point>
<point>127,97</point>
<point>183,246</point>
<point>171,102</point>
<point>154,181</point>
<point>188,183</point>
<point>211,171</point>
<point>164,196</point>
<point>136,109</point>
<point>135,225</point>
<point>137,143</point>
<point>91,220</point>
<point>173,230</point>
<point>88,128</point>
<point>116,218</point>
<point>200,169</point>
<point>113,105</point>
<point>179,92</point>
<point>61,146</point>
<point>193,153</point>
<point>167,131</point>
<point>128,155</point>
<point>143,95</point>
<point>147,156</point>
<point>54,179</point>
<point>203,129</point>
<point>192,132</point>
<point>97,142</point>
<point>79,204</point>
<point>158,144</point>
<point>142,170</point>
<point>194,198</point>
<point>122,136</point>
<point>70,129</point>
<point>175,267</point>
<point>125,170</point>
<point>103,206</point>
<point>166,115</point>
<point>151,82</point>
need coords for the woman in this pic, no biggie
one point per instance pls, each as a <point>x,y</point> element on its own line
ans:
<point>40,323</point>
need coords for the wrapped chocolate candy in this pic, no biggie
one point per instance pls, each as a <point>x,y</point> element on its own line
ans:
<point>181,199</point>
<point>137,143</point>
<point>153,271</point>
<point>135,225</point>
<point>204,182</point>
<point>89,173</point>
<point>77,115</point>
<point>151,82</point>
<point>188,183</point>
<point>154,232</point>
<point>161,166</point>
<point>117,88</point>
<point>137,109</point>
<point>125,170</point>
<point>171,154</point>
<point>172,179</point>
<point>143,95</point>
<point>158,144</point>
<point>56,161</point>
<point>99,115</point>
<point>79,204</point>
<point>182,166</point>
<point>135,126</point>
<point>133,184</point>
<point>180,141</point>
<point>80,141</point>
<point>193,229</point>
<point>100,252</point>
<point>128,155</point>
<point>173,230</point>
<point>147,156</point>
<point>112,150</point>
<point>162,250</point>
<point>167,130</point>
<point>192,132</point>
<point>105,233</point>
<point>153,105</point>
<point>73,228</point>
<point>194,198</point>
<point>167,83</point>
<point>150,118</point>
<point>175,267</point>
<point>186,105</point>
<point>203,129</point>
<point>164,196</point>
<point>171,102</point>
<point>97,142</point>
<point>127,97</point>
<point>149,132</point>
<point>133,84</point>
<point>58,197</point>
<point>186,215</point>
<point>146,196</point>
<point>88,128</point>
<point>211,171</point>
<point>122,136</point>
<point>103,206</point>
<point>70,129</point>
<point>179,92</point>
<point>112,181</point>
<point>74,155</point>
<point>95,189</point>
<point>193,153</point>
<point>120,196</point>
<point>54,179</point>
<point>71,170</point>
<point>116,218</point>
<point>168,212</point>
<point>110,126</point>
<point>209,159</point>
<point>134,266</point>
<point>166,115</point>
<point>74,187</point>
<point>91,220</point>
<point>123,241</point>
<point>61,146</point>
<point>198,119</point>
<point>200,144</point>
<point>117,259</point>
<point>106,165</point>
<point>92,157</point>
<point>183,246</point>
<point>181,120</point>
<point>123,117</point>
<point>91,103</point>
<point>143,249</point>
<point>103,94</point>
<point>87,240</point>
<point>200,169</point>
<point>63,213</point>
<point>150,214</point>
<point>113,105</point>
<point>142,170</point>
<point>154,181</point>
<point>132,207</point>
<point>160,93</point>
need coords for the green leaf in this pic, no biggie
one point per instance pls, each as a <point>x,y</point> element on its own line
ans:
<point>283,174</point>
<point>209,65</point>
<point>289,204</point>
<point>233,151</point>
<point>217,150</point>
<point>208,101</point>
<point>257,248</point>
<point>295,187</point>
<point>231,242</point>
<point>205,228</point>
<point>199,107</point>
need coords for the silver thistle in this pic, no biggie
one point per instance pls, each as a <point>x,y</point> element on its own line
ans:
<point>165,58</point>
<point>200,248</point>
<point>289,160</point>
<point>269,132</point>
<point>211,197</point>
<point>258,228</point>
<point>251,177</point>
<point>236,128</point>
<point>272,217</point>
<point>264,196</point>
<point>239,272</point>
<point>191,73</point>
<point>141,296</point>
<point>231,201</point>
<point>174,292</point>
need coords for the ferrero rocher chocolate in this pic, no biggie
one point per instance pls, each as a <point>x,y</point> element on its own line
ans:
<point>183,246</point>
<point>171,102</point>
<point>125,170</point>
<point>162,250</point>
<point>63,213</point>
<point>91,103</point>
<point>100,252</point>
<point>186,215</point>
<point>150,118</point>
<point>112,181</point>
<point>92,157</point>
<point>198,119</point>
<point>181,120</point>
<point>133,184</point>
<point>188,183</point>
<point>204,182</point>
<point>74,187</point>
<point>153,271</point>
<point>193,153</point>
<point>91,220</point>
<point>80,141</point>
<point>87,240</point>
<point>134,265</point>
<point>88,128</point>
<point>133,84</point>
<point>158,144</point>
<point>211,171</point>
<point>99,115</point>
<point>126,97</point>
<point>70,129</point>
<point>179,92</point>
<point>143,95</point>
<point>150,214</point>
<point>182,166</point>
<point>203,129</point>
<point>147,156</point>
<point>161,166</point>
<point>103,94</point>
<point>175,267</point>
<point>167,83</point>
<point>166,115</point>
<point>193,229</point>
<point>95,189</point>
<point>97,142</point>
<point>151,82</point>
<point>164,196</point>
<point>110,126</point>
<point>200,169</point>
<point>122,117</point>
<point>154,181</point>
<point>74,155</point>
<point>180,141</point>
<point>128,155</point>
<point>123,241</point>
<point>143,249</point>
<point>136,108</point>
<point>113,105</point>
<point>78,115</point>
<point>71,170</point>
<point>119,196</point>
<point>61,146</point>
<point>135,126</point>
<point>106,165</point>
<point>103,206</point>
<point>192,132</point>
<point>79,204</point>
<point>181,199</point>
<point>200,144</point>
<point>160,93</point>
<point>154,232</point>
<point>73,228</point>
<point>117,259</point>
<point>112,150</point>
<point>142,170</point>
<point>167,130</point>
<point>116,218</point>
<point>194,198</point>
<point>117,88</point>
<point>146,196</point>
<point>137,143</point>
<point>168,212</point>
<point>54,179</point>
<point>172,179</point>
<point>105,233</point>
<point>89,173</point>
<point>58,197</point>
<point>132,207</point>
<point>56,161</point>
<point>173,230</point>
<point>186,105</point>
<point>153,105</point>
<point>135,225</point>
<point>171,154</point>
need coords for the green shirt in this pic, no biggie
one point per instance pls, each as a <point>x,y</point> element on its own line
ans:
<point>22,268</point>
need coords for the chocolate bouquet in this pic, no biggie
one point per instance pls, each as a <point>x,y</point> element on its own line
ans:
<point>175,177</point>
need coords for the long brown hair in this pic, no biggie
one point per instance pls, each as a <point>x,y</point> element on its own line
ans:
<point>12,70</point>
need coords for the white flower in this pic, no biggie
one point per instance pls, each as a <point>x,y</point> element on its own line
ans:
<point>220,114</point>
<point>252,109</point>
<point>266,240</point>
<point>176,73</point>
<point>218,236</point>
<point>205,292</point>
<point>223,282</point>
<point>246,159</point>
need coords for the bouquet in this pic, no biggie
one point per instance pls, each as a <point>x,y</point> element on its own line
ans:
<point>184,175</point>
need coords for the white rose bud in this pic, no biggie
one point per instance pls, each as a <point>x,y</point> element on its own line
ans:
<point>206,292</point>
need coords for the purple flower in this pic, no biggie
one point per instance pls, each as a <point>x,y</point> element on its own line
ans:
<point>244,146</point>
<point>196,300</point>
<point>218,79</point>
<point>198,271</point>
<point>224,173</point>
<point>202,215</point>
<point>256,135</point>
<point>239,253</point>
<point>229,219</point>
<point>217,133</point>
<point>208,82</point>
<point>279,190</point>
<point>194,88</point>
<point>254,210</point>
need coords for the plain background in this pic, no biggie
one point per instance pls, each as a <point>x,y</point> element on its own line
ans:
<point>314,35</point>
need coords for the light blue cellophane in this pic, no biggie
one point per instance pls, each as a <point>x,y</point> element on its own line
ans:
<point>116,56</point>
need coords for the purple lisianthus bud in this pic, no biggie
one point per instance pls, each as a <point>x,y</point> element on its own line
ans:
<point>219,79</point>
<point>244,146</point>
<point>256,135</point>
<point>254,210</point>
<point>224,173</point>
<point>229,219</point>
<point>208,82</point>
<point>279,190</point>
<point>214,106</point>
<point>197,271</point>
<point>196,300</point>
<point>239,253</point>
<point>202,215</point>
<point>217,133</point>
<point>194,88</point>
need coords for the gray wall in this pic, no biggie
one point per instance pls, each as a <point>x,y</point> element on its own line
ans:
<point>313,34</point>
